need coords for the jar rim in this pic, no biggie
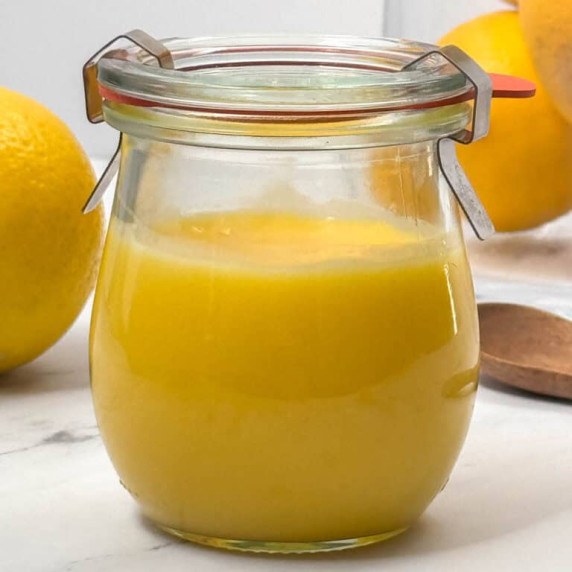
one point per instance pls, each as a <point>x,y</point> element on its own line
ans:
<point>284,77</point>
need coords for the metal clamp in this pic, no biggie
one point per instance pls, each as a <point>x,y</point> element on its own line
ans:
<point>93,100</point>
<point>446,152</point>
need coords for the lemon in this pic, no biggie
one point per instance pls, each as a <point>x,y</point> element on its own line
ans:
<point>522,171</point>
<point>49,250</point>
<point>547,28</point>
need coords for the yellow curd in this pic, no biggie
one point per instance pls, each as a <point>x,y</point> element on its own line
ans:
<point>278,377</point>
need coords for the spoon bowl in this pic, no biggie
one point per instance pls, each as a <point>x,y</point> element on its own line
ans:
<point>527,348</point>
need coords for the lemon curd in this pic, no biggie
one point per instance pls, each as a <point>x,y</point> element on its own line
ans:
<point>266,377</point>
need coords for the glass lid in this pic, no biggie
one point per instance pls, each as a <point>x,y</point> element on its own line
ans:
<point>284,75</point>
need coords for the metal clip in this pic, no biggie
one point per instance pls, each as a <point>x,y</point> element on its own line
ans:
<point>93,100</point>
<point>447,156</point>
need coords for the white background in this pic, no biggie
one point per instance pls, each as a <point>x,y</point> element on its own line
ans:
<point>43,43</point>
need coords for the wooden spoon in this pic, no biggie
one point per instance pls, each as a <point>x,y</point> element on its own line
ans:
<point>527,348</point>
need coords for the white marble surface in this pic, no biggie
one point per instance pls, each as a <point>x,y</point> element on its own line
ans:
<point>508,505</point>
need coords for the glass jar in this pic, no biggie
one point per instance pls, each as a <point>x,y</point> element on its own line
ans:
<point>284,344</point>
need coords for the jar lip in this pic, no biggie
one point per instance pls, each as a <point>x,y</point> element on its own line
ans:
<point>284,76</point>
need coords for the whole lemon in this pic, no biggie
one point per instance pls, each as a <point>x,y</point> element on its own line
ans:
<point>522,170</point>
<point>547,28</point>
<point>49,251</point>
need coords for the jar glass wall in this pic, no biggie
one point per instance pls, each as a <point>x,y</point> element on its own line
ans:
<point>284,346</point>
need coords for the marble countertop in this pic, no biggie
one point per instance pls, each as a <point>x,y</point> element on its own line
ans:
<point>508,505</point>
